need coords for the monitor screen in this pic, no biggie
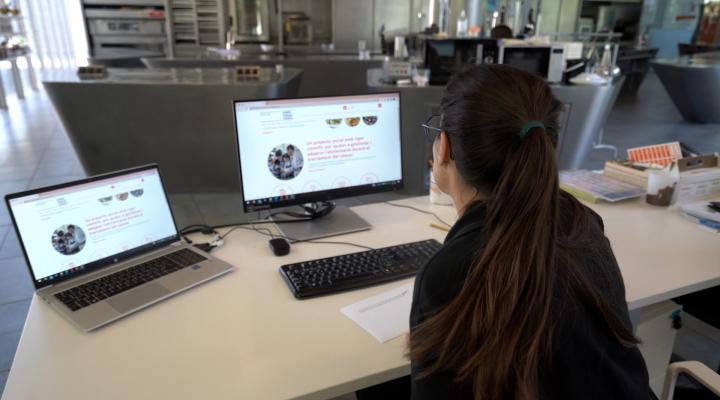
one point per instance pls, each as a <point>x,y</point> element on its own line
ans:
<point>531,59</point>
<point>295,151</point>
<point>445,57</point>
<point>65,229</point>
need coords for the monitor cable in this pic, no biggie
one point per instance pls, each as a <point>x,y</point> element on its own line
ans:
<point>268,232</point>
<point>420,211</point>
<point>312,211</point>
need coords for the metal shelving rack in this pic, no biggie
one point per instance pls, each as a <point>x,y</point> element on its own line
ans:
<point>10,27</point>
<point>172,27</point>
<point>196,25</point>
<point>138,24</point>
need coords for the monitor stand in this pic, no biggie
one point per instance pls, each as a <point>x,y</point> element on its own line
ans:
<point>340,221</point>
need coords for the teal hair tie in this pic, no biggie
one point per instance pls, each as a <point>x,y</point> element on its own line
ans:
<point>530,125</point>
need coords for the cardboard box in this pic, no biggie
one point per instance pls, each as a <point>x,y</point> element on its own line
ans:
<point>699,176</point>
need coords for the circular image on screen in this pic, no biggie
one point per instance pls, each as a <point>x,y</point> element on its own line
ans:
<point>68,239</point>
<point>285,161</point>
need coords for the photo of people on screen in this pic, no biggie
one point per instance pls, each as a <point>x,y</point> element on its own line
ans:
<point>68,239</point>
<point>285,161</point>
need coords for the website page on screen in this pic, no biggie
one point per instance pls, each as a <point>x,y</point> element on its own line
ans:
<point>64,229</point>
<point>297,146</point>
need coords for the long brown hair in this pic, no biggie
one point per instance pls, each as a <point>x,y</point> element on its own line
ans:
<point>497,332</point>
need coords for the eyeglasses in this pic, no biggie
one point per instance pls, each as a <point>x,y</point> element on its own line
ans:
<point>430,127</point>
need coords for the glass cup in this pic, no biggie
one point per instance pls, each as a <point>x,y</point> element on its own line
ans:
<point>421,76</point>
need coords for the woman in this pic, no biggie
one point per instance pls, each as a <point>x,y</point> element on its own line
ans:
<point>525,299</point>
<point>287,171</point>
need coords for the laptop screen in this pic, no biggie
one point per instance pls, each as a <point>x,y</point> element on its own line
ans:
<point>67,229</point>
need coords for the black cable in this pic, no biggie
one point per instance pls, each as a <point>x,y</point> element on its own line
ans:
<point>252,228</point>
<point>420,211</point>
<point>207,229</point>
<point>299,217</point>
<point>267,232</point>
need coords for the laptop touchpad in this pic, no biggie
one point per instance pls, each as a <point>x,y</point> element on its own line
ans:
<point>137,297</point>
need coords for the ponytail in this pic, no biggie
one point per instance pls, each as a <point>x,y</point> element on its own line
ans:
<point>502,312</point>
<point>497,332</point>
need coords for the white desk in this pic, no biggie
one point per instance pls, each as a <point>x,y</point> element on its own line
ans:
<point>244,336</point>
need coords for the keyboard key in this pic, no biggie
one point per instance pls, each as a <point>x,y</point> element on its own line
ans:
<point>351,271</point>
<point>121,281</point>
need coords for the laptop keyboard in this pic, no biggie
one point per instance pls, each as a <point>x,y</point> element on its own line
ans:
<point>121,281</point>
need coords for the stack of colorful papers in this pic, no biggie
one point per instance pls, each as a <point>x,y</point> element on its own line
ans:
<point>592,186</point>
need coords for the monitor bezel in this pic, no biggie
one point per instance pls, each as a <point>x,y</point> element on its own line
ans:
<point>103,262</point>
<point>323,195</point>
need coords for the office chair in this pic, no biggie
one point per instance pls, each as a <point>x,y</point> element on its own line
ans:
<point>501,32</point>
<point>709,379</point>
<point>696,370</point>
<point>703,306</point>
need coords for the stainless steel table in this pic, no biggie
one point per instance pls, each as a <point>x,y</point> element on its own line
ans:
<point>693,83</point>
<point>17,80</point>
<point>181,119</point>
<point>586,109</point>
<point>323,74</point>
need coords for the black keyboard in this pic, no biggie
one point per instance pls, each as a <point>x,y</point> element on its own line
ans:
<point>351,271</point>
<point>110,285</point>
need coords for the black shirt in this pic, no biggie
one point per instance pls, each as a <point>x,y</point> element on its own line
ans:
<point>587,362</point>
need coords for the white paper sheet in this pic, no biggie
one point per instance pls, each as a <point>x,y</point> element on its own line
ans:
<point>385,316</point>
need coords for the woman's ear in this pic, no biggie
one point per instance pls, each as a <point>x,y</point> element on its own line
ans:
<point>443,149</point>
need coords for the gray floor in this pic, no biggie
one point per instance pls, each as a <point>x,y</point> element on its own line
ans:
<point>652,118</point>
<point>35,151</point>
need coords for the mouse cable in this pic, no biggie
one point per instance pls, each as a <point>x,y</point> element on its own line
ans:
<point>267,232</point>
<point>420,211</point>
<point>217,240</point>
<point>209,230</point>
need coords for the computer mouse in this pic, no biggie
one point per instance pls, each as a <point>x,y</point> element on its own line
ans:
<point>279,246</point>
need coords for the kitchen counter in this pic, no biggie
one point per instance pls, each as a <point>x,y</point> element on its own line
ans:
<point>323,74</point>
<point>585,111</point>
<point>180,119</point>
<point>692,83</point>
<point>176,76</point>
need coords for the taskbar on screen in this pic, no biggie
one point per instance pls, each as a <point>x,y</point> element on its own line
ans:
<point>324,195</point>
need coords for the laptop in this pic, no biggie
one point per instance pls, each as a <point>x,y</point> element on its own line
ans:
<point>104,247</point>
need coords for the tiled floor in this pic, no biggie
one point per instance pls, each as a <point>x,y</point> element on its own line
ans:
<point>35,151</point>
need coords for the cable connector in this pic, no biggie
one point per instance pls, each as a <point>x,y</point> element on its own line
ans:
<point>206,247</point>
<point>217,241</point>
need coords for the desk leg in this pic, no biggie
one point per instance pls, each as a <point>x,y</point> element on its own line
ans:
<point>654,327</point>
<point>17,79</point>
<point>31,73</point>
<point>599,145</point>
<point>3,102</point>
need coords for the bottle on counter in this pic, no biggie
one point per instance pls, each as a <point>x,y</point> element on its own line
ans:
<point>605,69</point>
<point>444,17</point>
<point>462,25</point>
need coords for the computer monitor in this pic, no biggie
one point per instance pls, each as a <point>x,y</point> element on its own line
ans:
<point>308,150</point>
<point>445,57</point>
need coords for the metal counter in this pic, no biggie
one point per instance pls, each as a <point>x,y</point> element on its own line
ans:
<point>634,63</point>
<point>585,112</point>
<point>323,75</point>
<point>120,57</point>
<point>180,119</point>
<point>693,83</point>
